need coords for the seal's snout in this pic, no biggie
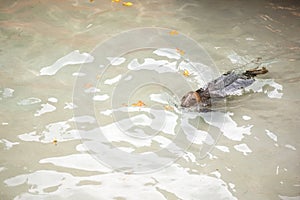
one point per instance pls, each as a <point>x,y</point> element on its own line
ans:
<point>190,99</point>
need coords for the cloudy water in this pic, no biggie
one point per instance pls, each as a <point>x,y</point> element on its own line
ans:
<point>89,95</point>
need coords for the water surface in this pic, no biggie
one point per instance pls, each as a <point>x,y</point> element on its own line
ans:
<point>48,152</point>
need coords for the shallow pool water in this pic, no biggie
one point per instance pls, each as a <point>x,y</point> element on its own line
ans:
<point>89,93</point>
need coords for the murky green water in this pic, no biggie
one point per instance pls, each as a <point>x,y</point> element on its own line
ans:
<point>70,127</point>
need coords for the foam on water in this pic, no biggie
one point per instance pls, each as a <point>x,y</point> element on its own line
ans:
<point>243,148</point>
<point>46,108</point>
<point>170,180</point>
<point>74,57</point>
<point>29,101</point>
<point>48,152</point>
<point>116,60</point>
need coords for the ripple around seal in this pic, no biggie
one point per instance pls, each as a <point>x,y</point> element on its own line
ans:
<point>142,71</point>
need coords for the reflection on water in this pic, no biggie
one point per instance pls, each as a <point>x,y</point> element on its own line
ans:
<point>247,150</point>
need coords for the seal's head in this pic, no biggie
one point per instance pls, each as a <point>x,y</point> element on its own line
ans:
<point>190,99</point>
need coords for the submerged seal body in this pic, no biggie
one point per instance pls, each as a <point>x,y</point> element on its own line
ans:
<point>221,87</point>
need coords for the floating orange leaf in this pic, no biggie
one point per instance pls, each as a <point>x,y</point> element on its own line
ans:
<point>127,3</point>
<point>139,104</point>
<point>91,1</point>
<point>168,107</point>
<point>173,32</point>
<point>186,73</point>
<point>180,51</point>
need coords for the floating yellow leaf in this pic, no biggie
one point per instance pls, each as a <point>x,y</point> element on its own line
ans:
<point>117,1</point>
<point>186,73</point>
<point>127,3</point>
<point>168,107</point>
<point>180,51</point>
<point>55,141</point>
<point>173,32</point>
<point>139,104</point>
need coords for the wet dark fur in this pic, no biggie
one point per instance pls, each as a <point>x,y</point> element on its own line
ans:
<point>221,87</point>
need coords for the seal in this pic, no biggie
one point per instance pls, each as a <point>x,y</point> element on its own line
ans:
<point>221,87</point>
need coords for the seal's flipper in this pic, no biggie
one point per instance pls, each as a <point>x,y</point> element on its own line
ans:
<point>253,72</point>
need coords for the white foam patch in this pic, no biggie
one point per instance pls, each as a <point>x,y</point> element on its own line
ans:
<point>169,53</point>
<point>46,108</point>
<point>81,148</point>
<point>160,98</point>
<point>290,147</point>
<point>29,101</point>
<point>223,148</point>
<point>192,133</point>
<point>78,74</point>
<point>243,148</point>
<point>116,60</point>
<point>288,198</point>
<point>102,97</point>
<point>271,135</point>
<point>75,57</point>
<point>32,136</point>
<point>189,157</point>
<point>55,131</point>
<point>53,99</point>
<point>7,92</point>
<point>216,173</point>
<point>113,133</point>
<point>227,125</point>
<point>232,186</point>
<point>70,105</point>
<point>113,80</point>
<point>126,149</point>
<point>83,119</point>
<point>161,66</point>
<point>246,118</point>
<point>8,144</point>
<point>162,121</point>
<point>258,85</point>
<point>77,161</point>
<point>173,179</point>
<point>163,141</point>
<point>106,112</point>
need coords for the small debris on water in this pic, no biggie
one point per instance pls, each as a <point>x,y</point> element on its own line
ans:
<point>139,104</point>
<point>186,73</point>
<point>168,107</point>
<point>127,3</point>
<point>55,141</point>
<point>173,32</point>
<point>180,51</point>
